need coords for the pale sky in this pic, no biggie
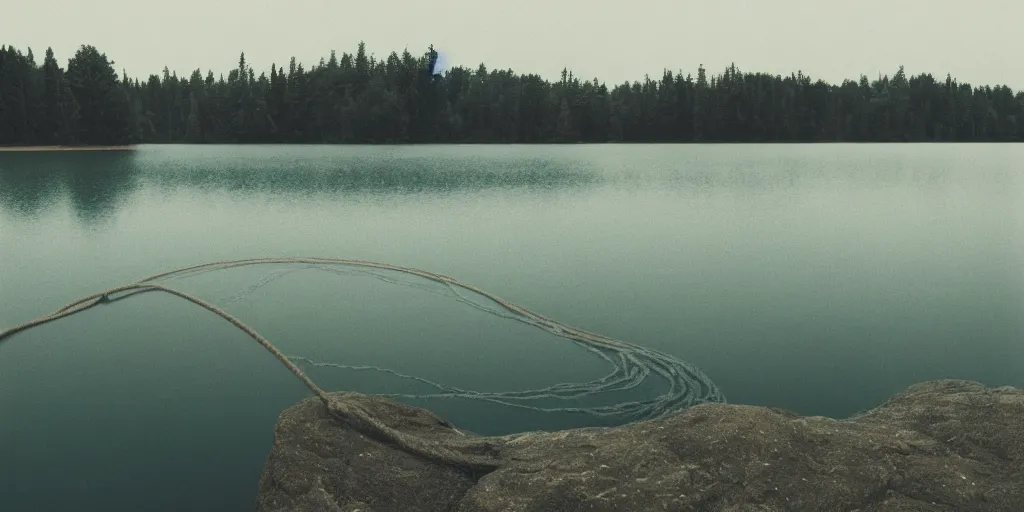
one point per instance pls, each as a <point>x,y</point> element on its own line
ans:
<point>979,41</point>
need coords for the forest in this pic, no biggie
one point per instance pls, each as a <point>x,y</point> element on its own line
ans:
<point>359,98</point>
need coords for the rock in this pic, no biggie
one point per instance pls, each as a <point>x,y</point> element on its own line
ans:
<point>943,445</point>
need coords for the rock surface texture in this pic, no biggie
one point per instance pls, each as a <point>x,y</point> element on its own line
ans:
<point>943,445</point>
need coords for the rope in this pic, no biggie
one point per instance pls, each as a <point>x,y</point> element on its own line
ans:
<point>632,363</point>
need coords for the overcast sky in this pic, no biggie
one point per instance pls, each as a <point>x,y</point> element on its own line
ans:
<point>981,41</point>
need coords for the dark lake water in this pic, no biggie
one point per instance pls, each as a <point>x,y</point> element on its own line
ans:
<point>817,278</point>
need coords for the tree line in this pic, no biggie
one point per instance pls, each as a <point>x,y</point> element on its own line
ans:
<point>358,98</point>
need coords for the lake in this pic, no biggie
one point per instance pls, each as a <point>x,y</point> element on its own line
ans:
<point>816,278</point>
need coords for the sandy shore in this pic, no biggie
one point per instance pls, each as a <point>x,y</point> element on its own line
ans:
<point>66,148</point>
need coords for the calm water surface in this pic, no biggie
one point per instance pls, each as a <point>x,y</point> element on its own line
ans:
<point>818,278</point>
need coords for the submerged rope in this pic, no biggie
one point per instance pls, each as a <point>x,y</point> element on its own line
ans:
<point>632,364</point>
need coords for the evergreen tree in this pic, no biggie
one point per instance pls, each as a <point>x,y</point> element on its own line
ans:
<point>103,106</point>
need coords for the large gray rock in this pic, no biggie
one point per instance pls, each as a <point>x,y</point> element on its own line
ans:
<point>944,445</point>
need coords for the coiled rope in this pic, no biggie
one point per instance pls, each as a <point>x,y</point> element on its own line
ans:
<point>632,364</point>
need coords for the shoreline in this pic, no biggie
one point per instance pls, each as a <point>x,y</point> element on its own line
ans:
<point>21,149</point>
<point>135,147</point>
